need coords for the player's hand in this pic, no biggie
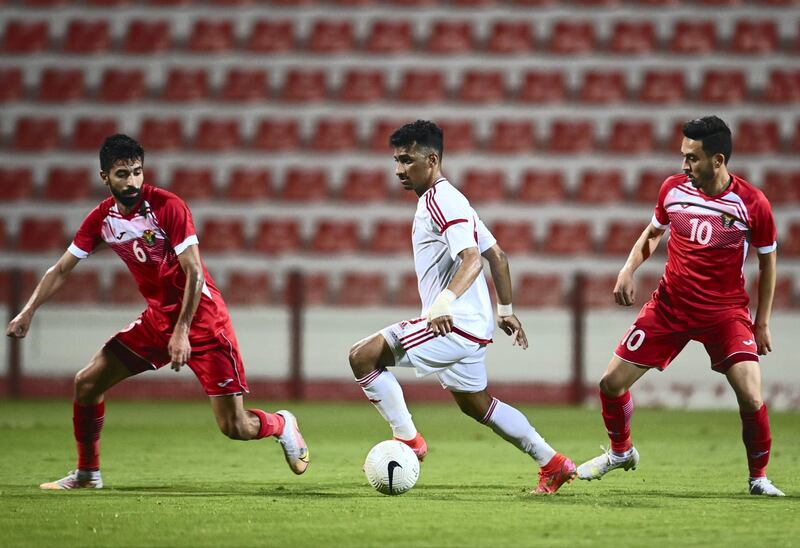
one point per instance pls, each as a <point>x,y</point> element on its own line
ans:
<point>441,325</point>
<point>763,339</point>
<point>19,326</point>
<point>512,327</point>
<point>179,349</point>
<point>623,291</point>
<point>440,319</point>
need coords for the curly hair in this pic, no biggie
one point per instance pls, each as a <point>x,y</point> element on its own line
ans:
<point>424,133</point>
<point>119,147</point>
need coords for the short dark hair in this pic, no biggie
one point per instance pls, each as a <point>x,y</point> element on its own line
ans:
<point>422,132</point>
<point>713,133</point>
<point>119,147</point>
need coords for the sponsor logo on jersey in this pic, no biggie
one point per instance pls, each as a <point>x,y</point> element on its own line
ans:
<point>728,220</point>
<point>149,237</point>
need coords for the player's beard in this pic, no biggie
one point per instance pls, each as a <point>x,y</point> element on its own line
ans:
<point>128,199</point>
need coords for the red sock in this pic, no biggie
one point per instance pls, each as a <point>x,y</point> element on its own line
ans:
<point>87,422</point>
<point>271,423</point>
<point>757,440</point>
<point>617,416</point>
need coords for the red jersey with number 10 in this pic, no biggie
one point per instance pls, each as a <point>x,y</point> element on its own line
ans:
<point>708,242</point>
<point>149,240</point>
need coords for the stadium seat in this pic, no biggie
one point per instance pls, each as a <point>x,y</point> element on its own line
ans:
<point>421,86</point>
<point>25,36</point>
<point>277,236</point>
<point>16,183</point>
<point>122,85</point>
<point>542,87</point>
<point>211,36</point>
<point>509,37</point>
<point>382,130</point>
<point>663,87</point>
<point>631,136</point>
<point>305,185</point>
<point>335,236</point>
<point>87,36</point>
<point>222,236</point>
<point>316,289</point>
<point>277,135</point>
<point>568,238</point>
<point>784,297</point>
<point>147,36</point>
<point>3,236</point>
<point>334,135</point>
<point>646,283</point>
<point>515,237</point>
<point>217,134</point>
<point>539,291</point>
<point>601,87</point>
<point>459,135</point>
<point>541,186</point>
<point>363,86</point>
<point>28,281</point>
<point>362,289</point>
<point>161,134</point>
<point>571,136</point>
<point>783,86</point>
<point>248,289</point>
<point>601,186</point>
<point>243,84</point>
<point>304,85</point>
<point>511,135</point>
<point>620,236</point>
<point>407,293</point>
<point>89,133</point>
<point>631,37</point>
<point>757,136</point>
<point>271,36</point>
<point>482,86</point>
<point>782,187</point>
<point>123,289</point>
<point>11,88</point>
<point>36,134</point>
<point>64,184</point>
<point>754,37</point>
<point>725,86</point>
<point>364,185</point>
<point>390,237</point>
<point>449,37</point>
<point>82,287</point>
<point>248,185</point>
<point>193,183</point>
<point>390,36</point>
<point>329,36</point>
<point>571,37</point>
<point>57,85</point>
<point>789,241</point>
<point>185,84</point>
<point>36,234</point>
<point>693,37</point>
<point>108,3</point>
<point>482,186</point>
<point>598,291</point>
<point>648,184</point>
<point>794,145</point>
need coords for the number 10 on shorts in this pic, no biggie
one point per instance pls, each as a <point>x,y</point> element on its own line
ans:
<point>633,339</point>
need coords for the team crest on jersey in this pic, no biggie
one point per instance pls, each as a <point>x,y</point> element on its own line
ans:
<point>728,220</point>
<point>149,237</point>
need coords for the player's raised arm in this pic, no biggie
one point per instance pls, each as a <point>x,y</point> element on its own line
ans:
<point>440,318</point>
<point>501,275</point>
<point>641,251</point>
<point>767,265</point>
<point>178,347</point>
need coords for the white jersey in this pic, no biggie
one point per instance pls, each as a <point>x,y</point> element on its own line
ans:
<point>444,225</point>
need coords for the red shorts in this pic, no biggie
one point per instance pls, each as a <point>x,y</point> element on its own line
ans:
<point>659,334</point>
<point>217,363</point>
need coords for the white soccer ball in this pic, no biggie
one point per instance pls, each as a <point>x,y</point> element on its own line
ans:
<point>391,467</point>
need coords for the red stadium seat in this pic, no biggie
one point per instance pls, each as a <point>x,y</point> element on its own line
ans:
<point>362,86</point>
<point>663,86</point>
<point>122,86</point>
<point>82,287</point>
<point>211,36</point>
<point>539,291</point>
<point>25,36</point>
<point>620,237</point>
<point>304,85</point>
<point>335,237</point>
<point>161,134</point>
<point>305,185</point>
<point>248,289</point>
<point>571,37</point>
<point>242,84</point>
<point>672,145</point>
<point>632,37</point>
<point>277,236</point>
<point>222,236</point>
<point>785,296</point>
<point>331,36</point>
<point>36,134</point>
<point>794,146</point>
<point>362,289</point>
<point>10,84</point>
<point>108,3</point>
<point>783,86</point>
<point>646,283</point>
<point>123,289</point>
<point>27,282</point>
<point>650,180</point>
<point>482,186</point>
<point>41,234</point>
<point>382,130</point>
<point>514,237</point>
<point>449,37</point>
<point>16,183</point>
<point>334,135</point>
<point>365,185</point>
<point>407,293</point>
<point>185,84</point>
<point>789,244</point>
<point>540,186</point>
<point>390,36</point>
<point>693,37</point>
<point>598,291</point>
<point>571,136</point>
<point>482,86</point>
<point>147,36</point>
<point>422,86</point>
<point>87,36</point>
<point>601,186</point>
<point>632,136</point>
<point>723,86</point>
<point>193,183</point>
<point>782,187</point>
<point>509,37</point>
<point>602,87</point>
<point>3,237</point>
<point>249,185</point>
<point>568,238</point>
<point>65,184</point>
<point>757,136</point>
<point>58,85</point>
<point>392,237</point>
<point>508,136</point>
<point>217,135</point>
<point>543,87</point>
<point>316,288</point>
<point>277,135</point>
<point>459,135</point>
<point>271,36</point>
<point>89,133</point>
<point>756,37</point>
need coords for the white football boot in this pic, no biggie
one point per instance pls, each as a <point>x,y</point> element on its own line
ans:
<point>600,466</point>
<point>76,480</point>
<point>762,486</point>
<point>294,446</point>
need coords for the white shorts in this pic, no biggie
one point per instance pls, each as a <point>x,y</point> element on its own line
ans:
<point>456,361</point>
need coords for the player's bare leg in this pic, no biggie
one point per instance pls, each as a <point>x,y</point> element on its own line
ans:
<point>745,379</point>
<point>103,371</point>
<point>369,359</point>
<point>239,423</point>
<point>511,425</point>
<point>617,410</point>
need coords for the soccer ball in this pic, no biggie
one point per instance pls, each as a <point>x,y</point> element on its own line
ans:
<point>391,467</point>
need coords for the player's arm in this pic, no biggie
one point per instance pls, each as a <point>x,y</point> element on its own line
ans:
<point>178,347</point>
<point>501,275</point>
<point>767,265</point>
<point>52,280</point>
<point>641,251</point>
<point>440,319</point>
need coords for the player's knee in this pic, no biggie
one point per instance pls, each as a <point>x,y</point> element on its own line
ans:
<point>750,403</point>
<point>360,360</point>
<point>84,386</point>
<point>611,388</point>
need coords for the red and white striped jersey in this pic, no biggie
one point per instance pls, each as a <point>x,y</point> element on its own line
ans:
<point>444,225</point>
<point>148,241</point>
<point>708,242</point>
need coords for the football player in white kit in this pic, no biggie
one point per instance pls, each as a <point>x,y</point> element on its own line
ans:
<point>451,336</point>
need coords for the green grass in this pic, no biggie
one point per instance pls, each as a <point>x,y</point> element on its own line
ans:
<point>173,480</point>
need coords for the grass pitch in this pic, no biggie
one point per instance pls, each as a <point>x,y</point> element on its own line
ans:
<point>173,480</point>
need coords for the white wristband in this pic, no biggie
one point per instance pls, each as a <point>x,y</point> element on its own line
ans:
<point>504,310</point>
<point>441,306</point>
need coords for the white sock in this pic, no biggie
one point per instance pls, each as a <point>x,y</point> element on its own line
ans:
<point>513,426</point>
<point>385,393</point>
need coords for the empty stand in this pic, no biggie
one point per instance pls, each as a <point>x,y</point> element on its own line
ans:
<point>648,184</point>
<point>222,236</point>
<point>362,289</point>
<point>663,86</point>
<point>158,133</point>
<point>646,283</point>
<point>277,135</point>
<point>568,238</point>
<point>65,184</point>
<point>304,85</point>
<point>632,37</point>
<point>89,133</point>
<point>601,186</point>
<point>276,236</point>
<point>757,136</point>
<point>122,85</point>
<point>335,236</point>
<point>211,36</point>
<point>482,86</point>
<point>316,288</point>
<point>147,36</point>
<point>382,129</point>
<point>542,87</point>
<point>459,135</point>
<point>328,36</point>
<point>571,136</point>
<point>334,135</point>
<point>632,137</point>
<point>449,37</point>
<point>242,84</point>
<point>421,86</point>
<point>541,186</point>
<point>25,36</point>
<point>783,86</point>
<point>785,296</point>
<point>514,237</point>
<point>193,183</point>
<point>754,37</point>
<point>36,134</point>
<point>248,289</point>
<point>58,85</point>
<point>16,183</point>
<point>782,187</point>
<point>510,37</point>
<point>87,36</point>
<point>723,86</point>
<point>305,185</point>
<point>248,185</point>
<point>82,287</point>
<point>390,237</point>
<point>598,291</point>
<point>123,289</point>
<point>789,242</point>
<point>693,37</point>
<point>602,87</point>
<point>482,186</point>
<point>571,37</point>
<point>390,36</point>
<point>362,86</point>
<point>11,88</point>
<point>184,85</point>
<point>508,136</point>
<point>365,185</point>
<point>271,36</point>
<point>36,234</point>
<point>407,293</point>
<point>217,134</point>
<point>539,291</point>
<point>620,237</point>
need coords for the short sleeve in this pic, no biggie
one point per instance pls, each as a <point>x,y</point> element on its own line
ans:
<point>88,236</point>
<point>485,238</point>
<point>454,218</point>
<point>176,221</point>
<point>660,216</point>
<point>763,233</point>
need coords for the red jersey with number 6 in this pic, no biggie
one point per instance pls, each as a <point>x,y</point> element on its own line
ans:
<point>149,240</point>
<point>708,242</point>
